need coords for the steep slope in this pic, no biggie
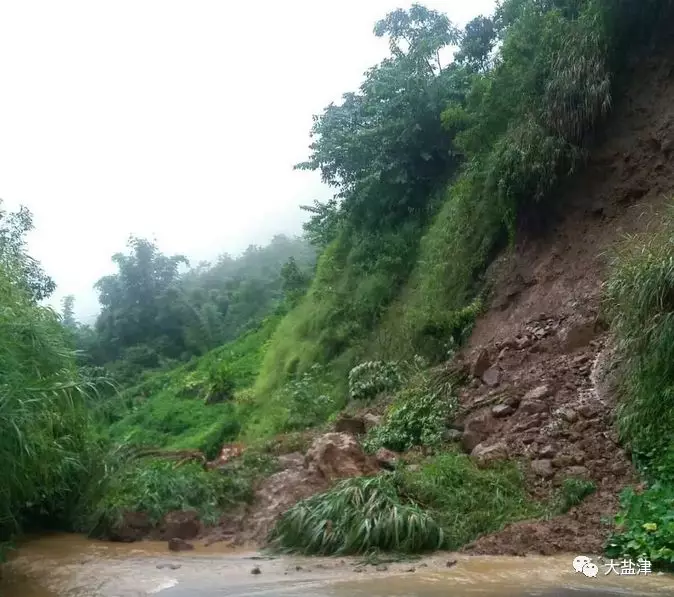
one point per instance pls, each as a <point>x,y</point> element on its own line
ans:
<point>543,338</point>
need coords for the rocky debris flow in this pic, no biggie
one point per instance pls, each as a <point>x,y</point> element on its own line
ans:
<point>546,413</point>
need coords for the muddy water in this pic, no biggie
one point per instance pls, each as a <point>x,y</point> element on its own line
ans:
<point>71,566</point>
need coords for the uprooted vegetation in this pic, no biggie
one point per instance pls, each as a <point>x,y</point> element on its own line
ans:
<point>437,168</point>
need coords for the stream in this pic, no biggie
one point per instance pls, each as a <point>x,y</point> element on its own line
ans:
<point>62,565</point>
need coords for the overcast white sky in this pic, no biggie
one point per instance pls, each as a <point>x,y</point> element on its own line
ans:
<point>174,120</point>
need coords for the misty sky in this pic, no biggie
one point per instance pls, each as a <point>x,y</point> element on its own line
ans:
<point>174,120</point>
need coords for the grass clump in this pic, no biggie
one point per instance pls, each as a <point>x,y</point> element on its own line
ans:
<point>572,492</point>
<point>358,516</point>
<point>468,501</point>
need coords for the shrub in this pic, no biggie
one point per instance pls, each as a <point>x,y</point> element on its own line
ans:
<point>373,377</point>
<point>357,516</point>
<point>645,526</point>
<point>157,487</point>
<point>417,417</point>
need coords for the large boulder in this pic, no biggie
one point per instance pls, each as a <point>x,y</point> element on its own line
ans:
<point>338,455</point>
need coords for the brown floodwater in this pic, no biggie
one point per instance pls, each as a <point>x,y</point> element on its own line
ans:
<point>72,566</point>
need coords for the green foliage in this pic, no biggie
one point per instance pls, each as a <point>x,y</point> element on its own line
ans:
<point>468,501</point>
<point>645,526</point>
<point>638,301</point>
<point>20,268</point>
<point>572,492</point>
<point>157,487</point>
<point>417,417</point>
<point>46,447</point>
<point>639,304</point>
<point>357,516</point>
<point>371,378</point>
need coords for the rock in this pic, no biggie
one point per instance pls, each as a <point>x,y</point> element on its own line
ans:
<point>588,411</point>
<point>568,414</point>
<point>492,376</point>
<point>547,451</point>
<point>256,570</point>
<point>578,458</point>
<point>338,455</point>
<point>562,460</point>
<point>533,407</point>
<point>381,568</point>
<point>359,569</point>
<point>349,424</point>
<point>538,393</point>
<point>133,526</point>
<point>502,410</point>
<point>578,472</point>
<point>371,421</point>
<point>485,454</point>
<point>452,435</point>
<point>522,343</point>
<point>513,401</point>
<point>543,468</point>
<point>413,468</point>
<point>412,569</point>
<point>180,524</point>
<point>451,563</point>
<point>386,458</point>
<point>481,423</point>
<point>576,336</point>
<point>174,566</point>
<point>469,440</point>
<point>176,544</point>
<point>481,363</point>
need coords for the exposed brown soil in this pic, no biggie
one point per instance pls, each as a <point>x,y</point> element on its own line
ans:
<point>543,329</point>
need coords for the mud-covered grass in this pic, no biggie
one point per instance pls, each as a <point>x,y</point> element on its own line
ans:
<point>446,503</point>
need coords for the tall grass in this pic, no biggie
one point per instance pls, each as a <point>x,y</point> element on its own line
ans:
<point>640,302</point>
<point>45,441</point>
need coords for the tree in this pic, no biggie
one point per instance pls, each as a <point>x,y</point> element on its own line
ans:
<point>15,261</point>
<point>68,312</point>
<point>477,42</point>
<point>132,297</point>
<point>384,147</point>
